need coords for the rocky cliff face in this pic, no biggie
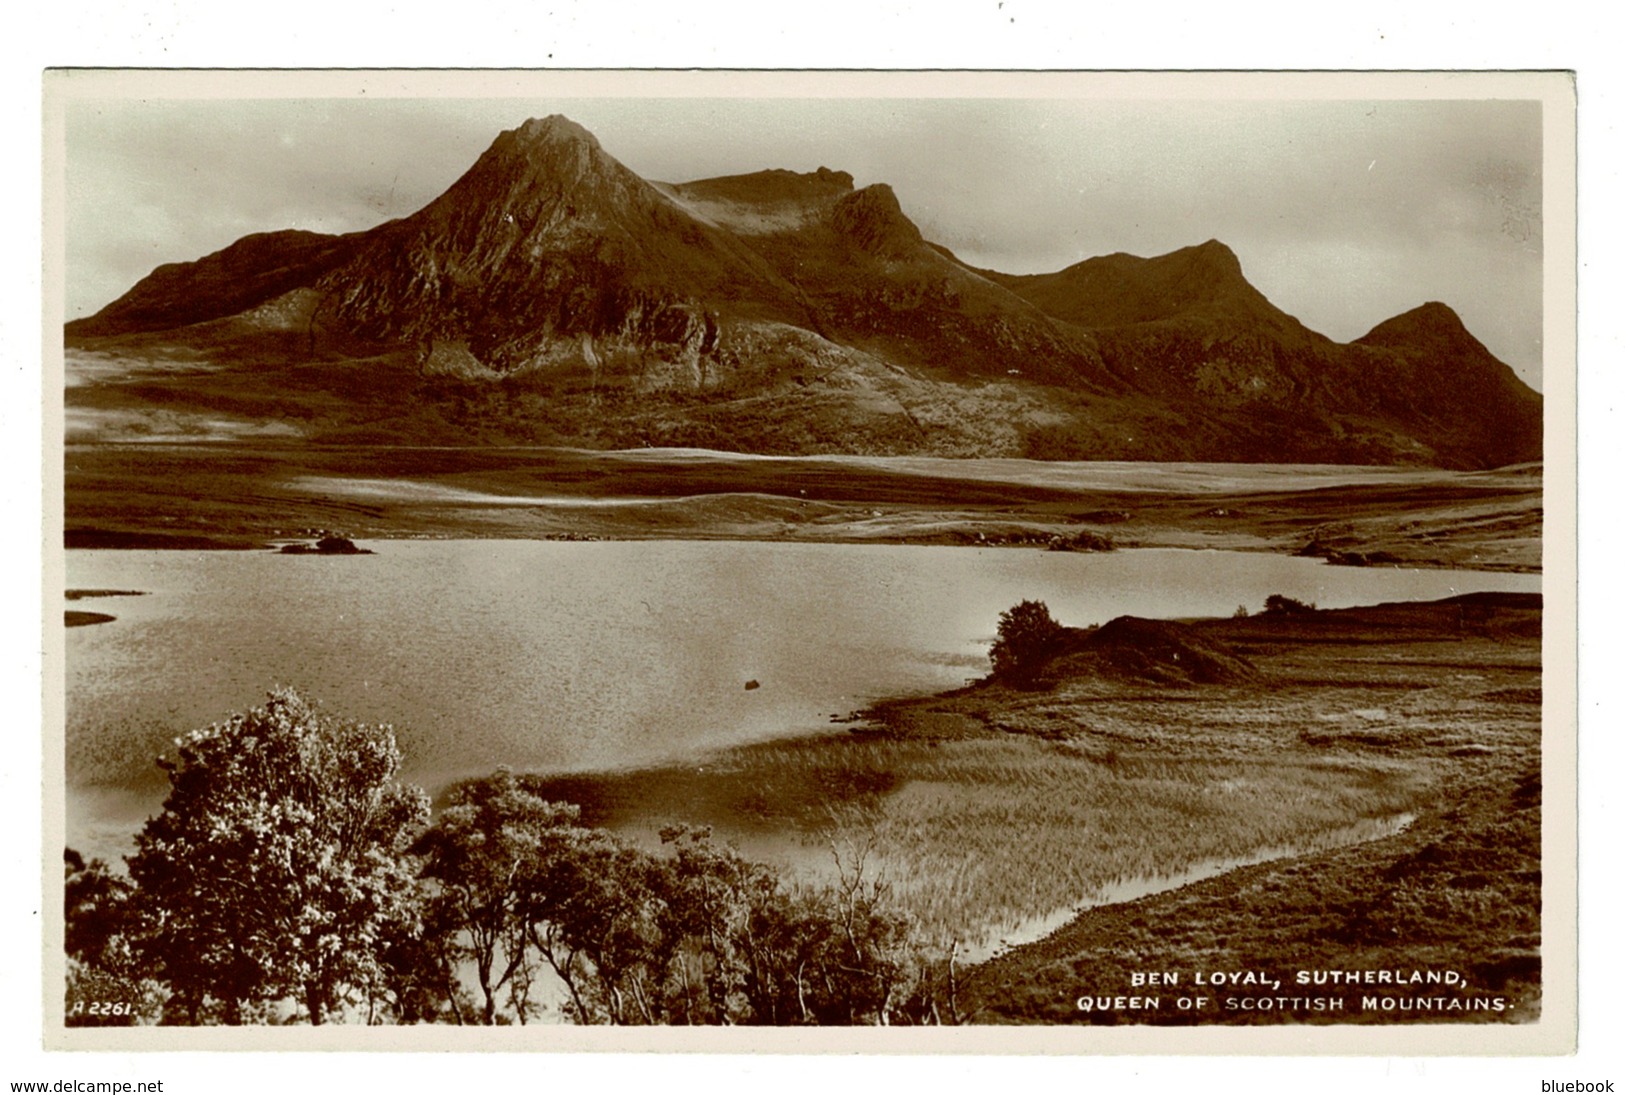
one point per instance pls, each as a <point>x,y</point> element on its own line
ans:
<point>546,248</point>
<point>549,259</point>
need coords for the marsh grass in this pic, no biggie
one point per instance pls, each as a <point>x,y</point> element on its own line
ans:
<point>976,835</point>
<point>983,835</point>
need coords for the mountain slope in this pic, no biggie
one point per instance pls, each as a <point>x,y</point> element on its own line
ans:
<point>1183,324</point>
<point>250,272</point>
<point>867,278</point>
<point>1445,383</point>
<point>547,241</point>
<point>1189,328</point>
<point>1121,290</point>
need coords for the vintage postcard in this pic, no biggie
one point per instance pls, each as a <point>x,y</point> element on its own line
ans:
<point>810,562</point>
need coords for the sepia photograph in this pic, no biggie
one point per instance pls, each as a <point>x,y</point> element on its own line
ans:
<point>1078,559</point>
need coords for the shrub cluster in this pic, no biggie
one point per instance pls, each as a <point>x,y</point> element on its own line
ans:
<point>1281,605</point>
<point>1025,633</point>
<point>290,877</point>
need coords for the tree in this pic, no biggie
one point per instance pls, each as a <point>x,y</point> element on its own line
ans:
<point>856,960</point>
<point>744,946</point>
<point>106,984</point>
<point>95,908</point>
<point>712,900</point>
<point>484,855</point>
<point>597,915</point>
<point>277,867</point>
<point>1024,633</point>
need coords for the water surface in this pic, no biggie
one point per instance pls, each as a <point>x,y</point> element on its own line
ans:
<point>558,657</point>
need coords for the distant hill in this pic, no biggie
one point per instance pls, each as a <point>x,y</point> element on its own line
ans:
<point>552,295</point>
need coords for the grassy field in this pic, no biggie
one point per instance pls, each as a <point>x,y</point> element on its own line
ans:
<point>1459,891</point>
<point>995,810</point>
<point>979,835</point>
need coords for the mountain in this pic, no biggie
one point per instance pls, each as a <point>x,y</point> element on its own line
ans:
<point>1188,328</point>
<point>546,241</point>
<point>1429,355</point>
<point>553,295</point>
<point>1187,322</point>
<point>250,272</point>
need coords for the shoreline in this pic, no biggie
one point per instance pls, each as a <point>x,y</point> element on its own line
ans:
<point>1452,760</point>
<point>967,535</point>
<point>248,498</point>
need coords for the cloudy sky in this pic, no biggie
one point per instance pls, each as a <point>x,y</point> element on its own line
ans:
<point>1343,212</point>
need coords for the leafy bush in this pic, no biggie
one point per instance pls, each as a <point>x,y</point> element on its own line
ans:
<point>107,985</point>
<point>275,868</point>
<point>1024,633</point>
<point>1281,605</point>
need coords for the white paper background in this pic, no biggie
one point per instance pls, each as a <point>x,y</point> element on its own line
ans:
<point>846,34</point>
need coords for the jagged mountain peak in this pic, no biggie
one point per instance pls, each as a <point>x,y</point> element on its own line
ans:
<point>838,178</point>
<point>548,255</point>
<point>554,128</point>
<point>554,143</point>
<point>774,186</point>
<point>1120,289</point>
<point>1431,316</point>
<point>1432,326</point>
<point>542,159</point>
<point>1212,260</point>
<point>1214,254</point>
<point>546,240</point>
<point>873,218</point>
<point>1439,363</point>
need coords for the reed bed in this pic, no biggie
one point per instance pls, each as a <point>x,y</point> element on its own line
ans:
<point>978,835</point>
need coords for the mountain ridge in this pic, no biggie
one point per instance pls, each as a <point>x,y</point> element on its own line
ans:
<point>787,309</point>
